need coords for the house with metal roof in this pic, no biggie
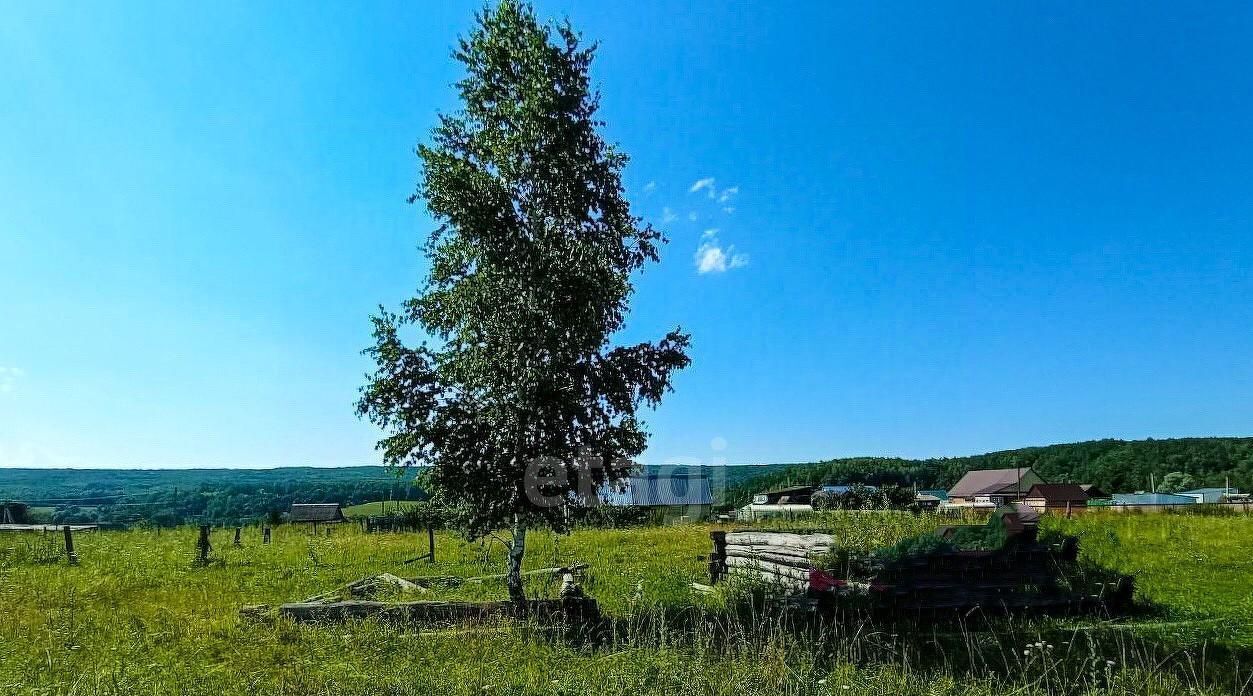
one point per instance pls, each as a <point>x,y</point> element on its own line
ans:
<point>842,488</point>
<point>787,495</point>
<point>1149,501</point>
<point>669,495</point>
<point>1212,495</point>
<point>992,487</point>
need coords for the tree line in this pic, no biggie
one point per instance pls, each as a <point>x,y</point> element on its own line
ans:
<point>1113,465</point>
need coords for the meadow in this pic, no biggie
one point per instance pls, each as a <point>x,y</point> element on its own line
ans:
<point>138,615</point>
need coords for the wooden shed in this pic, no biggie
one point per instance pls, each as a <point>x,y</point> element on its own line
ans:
<point>316,513</point>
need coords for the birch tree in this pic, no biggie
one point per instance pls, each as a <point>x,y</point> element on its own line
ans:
<point>518,403</point>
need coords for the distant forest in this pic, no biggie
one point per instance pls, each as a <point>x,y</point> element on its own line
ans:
<point>240,496</point>
<point>170,497</point>
<point>1113,465</point>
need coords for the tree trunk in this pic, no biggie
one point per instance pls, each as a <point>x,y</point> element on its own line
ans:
<point>517,549</point>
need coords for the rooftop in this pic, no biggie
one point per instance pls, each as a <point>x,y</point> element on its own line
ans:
<point>1058,492</point>
<point>985,481</point>
<point>1152,499</point>
<point>647,491</point>
<point>316,512</point>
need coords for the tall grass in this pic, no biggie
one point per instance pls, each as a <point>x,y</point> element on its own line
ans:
<point>138,615</point>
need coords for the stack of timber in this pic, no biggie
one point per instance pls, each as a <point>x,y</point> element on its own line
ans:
<point>1023,574</point>
<point>782,558</point>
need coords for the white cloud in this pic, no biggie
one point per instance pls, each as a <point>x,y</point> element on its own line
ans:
<point>650,187</point>
<point>668,216</point>
<point>692,216</point>
<point>728,209</point>
<point>727,194</point>
<point>9,377</point>
<point>706,183</point>
<point>712,257</point>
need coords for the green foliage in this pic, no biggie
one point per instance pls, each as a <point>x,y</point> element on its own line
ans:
<point>530,276</point>
<point>912,547</point>
<point>1176,481</point>
<point>213,496</point>
<point>1113,465</point>
<point>988,537</point>
<point>863,497</point>
<point>137,616</point>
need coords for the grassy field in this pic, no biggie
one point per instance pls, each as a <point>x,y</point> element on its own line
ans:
<point>376,508</point>
<point>138,616</point>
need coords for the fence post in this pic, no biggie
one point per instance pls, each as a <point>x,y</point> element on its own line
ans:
<point>238,531</point>
<point>430,540</point>
<point>265,535</point>
<point>717,559</point>
<point>69,546</point>
<point>202,545</point>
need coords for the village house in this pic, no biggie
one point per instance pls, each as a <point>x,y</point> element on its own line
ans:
<point>987,488</point>
<point>1057,497</point>
<point>790,500</point>
<point>1094,492</point>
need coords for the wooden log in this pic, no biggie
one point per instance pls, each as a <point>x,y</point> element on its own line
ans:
<point>384,581</point>
<point>769,567</point>
<point>754,549</point>
<point>805,541</point>
<point>254,611</point>
<point>763,576</point>
<point>793,561</point>
<point>457,580</point>
<point>366,586</point>
<point>757,552</point>
<point>570,608</point>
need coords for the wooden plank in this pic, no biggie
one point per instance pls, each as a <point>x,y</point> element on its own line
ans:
<point>763,576</point>
<point>762,549</point>
<point>793,561</point>
<point>768,567</point>
<point>803,541</point>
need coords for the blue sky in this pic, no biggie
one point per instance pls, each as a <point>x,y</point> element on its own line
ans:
<point>939,230</point>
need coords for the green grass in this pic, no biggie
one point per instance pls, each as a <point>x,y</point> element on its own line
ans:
<point>138,616</point>
<point>1195,568</point>
<point>376,508</point>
